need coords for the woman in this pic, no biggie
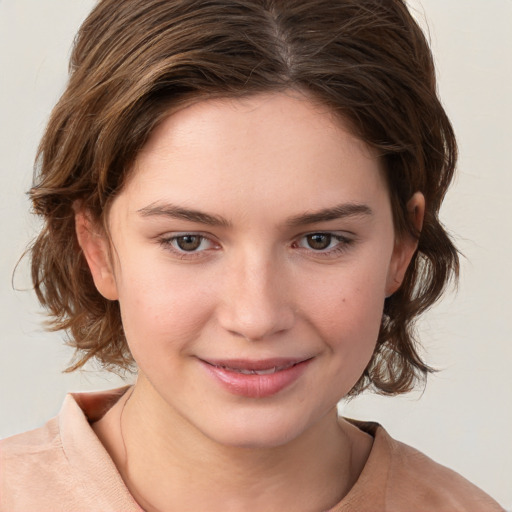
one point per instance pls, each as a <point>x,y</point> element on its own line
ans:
<point>241,199</point>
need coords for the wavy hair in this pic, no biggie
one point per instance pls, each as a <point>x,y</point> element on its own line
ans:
<point>135,62</point>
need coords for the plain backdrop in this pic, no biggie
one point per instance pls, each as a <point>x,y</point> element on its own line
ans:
<point>463,418</point>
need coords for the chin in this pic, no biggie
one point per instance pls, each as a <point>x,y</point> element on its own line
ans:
<point>256,430</point>
<point>254,439</point>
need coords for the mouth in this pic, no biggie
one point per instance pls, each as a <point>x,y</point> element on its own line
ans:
<point>259,367</point>
<point>256,378</point>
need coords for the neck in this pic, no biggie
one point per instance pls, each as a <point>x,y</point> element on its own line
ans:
<point>163,459</point>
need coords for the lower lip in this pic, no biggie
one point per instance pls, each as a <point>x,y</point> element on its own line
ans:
<point>256,386</point>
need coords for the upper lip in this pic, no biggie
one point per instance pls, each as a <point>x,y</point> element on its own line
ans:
<point>279,363</point>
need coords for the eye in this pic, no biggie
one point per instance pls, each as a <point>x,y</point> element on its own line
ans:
<point>319,241</point>
<point>187,243</point>
<point>324,243</point>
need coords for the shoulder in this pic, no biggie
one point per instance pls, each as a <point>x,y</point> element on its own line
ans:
<point>62,466</point>
<point>434,484</point>
<point>401,478</point>
<point>32,442</point>
<point>33,460</point>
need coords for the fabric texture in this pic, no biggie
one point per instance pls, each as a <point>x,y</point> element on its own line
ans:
<point>63,467</point>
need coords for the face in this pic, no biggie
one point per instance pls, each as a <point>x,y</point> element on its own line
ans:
<point>253,250</point>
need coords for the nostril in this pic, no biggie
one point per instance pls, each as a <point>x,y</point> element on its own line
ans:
<point>245,336</point>
<point>257,310</point>
<point>257,337</point>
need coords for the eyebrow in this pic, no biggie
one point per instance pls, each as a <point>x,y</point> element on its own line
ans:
<point>337,212</point>
<point>177,212</point>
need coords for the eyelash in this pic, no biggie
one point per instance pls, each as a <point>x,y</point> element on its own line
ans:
<point>167,242</point>
<point>342,245</point>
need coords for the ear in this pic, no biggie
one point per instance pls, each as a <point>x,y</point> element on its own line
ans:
<point>406,245</point>
<point>95,246</point>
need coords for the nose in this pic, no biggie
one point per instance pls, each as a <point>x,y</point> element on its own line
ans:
<point>257,299</point>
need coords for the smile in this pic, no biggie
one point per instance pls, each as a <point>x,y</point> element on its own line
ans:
<point>256,379</point>
<point>252,371</point>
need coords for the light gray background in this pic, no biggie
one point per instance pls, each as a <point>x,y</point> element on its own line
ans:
<point>464,417</point>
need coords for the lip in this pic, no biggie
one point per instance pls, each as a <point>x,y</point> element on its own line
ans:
<point>256,378</point>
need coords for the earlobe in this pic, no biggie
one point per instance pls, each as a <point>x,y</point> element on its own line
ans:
<point>406,245</point>
<point>95,246</point>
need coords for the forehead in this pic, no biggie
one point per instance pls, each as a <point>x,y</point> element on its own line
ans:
<point>281,116</point>
<point>279,148</point>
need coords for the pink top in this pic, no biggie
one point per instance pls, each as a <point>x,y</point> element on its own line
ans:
<point>63,467</point>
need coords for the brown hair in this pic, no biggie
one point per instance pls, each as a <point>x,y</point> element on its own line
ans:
<point>136,61</point>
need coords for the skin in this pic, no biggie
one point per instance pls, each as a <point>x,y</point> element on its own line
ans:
<point>254,289</point>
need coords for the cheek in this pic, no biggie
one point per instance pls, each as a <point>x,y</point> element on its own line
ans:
<point>348,312</point>
<point>160,309</point>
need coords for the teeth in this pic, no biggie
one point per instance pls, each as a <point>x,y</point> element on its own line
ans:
<point>253,372</point>
<point>267,371</point>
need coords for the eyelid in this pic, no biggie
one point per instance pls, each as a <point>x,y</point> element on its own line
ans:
<point>345,241</point>
<point>345,235</point>
<point>166,241</point>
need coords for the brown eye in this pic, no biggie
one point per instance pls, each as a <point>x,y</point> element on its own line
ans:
<point>188,243</point>
<point>319,241</point>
